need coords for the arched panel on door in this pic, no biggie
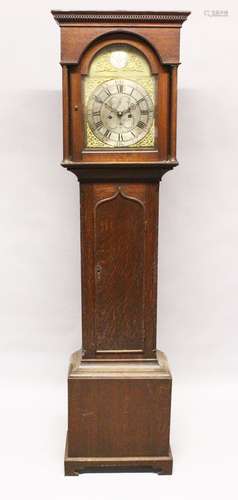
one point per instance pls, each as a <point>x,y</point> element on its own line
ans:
<point>119,257</point>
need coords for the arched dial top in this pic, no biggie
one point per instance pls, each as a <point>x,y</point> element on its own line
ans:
<point>120,112</point>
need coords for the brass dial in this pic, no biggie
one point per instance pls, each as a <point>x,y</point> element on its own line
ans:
<point>120,112</point>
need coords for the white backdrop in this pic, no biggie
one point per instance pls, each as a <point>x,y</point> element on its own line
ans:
<point>40,263</point>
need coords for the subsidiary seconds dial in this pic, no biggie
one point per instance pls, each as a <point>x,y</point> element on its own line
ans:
<point>120,112</point>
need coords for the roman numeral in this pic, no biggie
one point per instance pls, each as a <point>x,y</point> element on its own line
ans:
<point>107,134</point>
<point>97,99</point>
<point>107,91</point>
<point>99,124</point>
<point>119,86</point>
<point>140,124</point>
<point>144,112</point>
<point>96,113</point>
<point>120,138</point>
<point>140,100</point>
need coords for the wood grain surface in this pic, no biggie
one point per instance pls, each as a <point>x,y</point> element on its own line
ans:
<point>119,415</point>
<point>119,269</point>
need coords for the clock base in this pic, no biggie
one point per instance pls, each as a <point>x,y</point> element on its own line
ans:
<point>73,466</point>
<point>119,416</point>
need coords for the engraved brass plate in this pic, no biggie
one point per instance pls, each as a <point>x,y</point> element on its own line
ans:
<point>119,96</point>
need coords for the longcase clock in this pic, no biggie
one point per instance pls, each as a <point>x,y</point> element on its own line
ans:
<point>119,115</point>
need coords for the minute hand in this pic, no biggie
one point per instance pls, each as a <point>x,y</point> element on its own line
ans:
<point>133,106</point>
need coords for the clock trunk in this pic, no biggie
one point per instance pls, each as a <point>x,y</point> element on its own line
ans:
<point>119,227</point>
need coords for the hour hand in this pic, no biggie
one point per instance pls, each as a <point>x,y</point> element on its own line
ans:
<point>110,107</point>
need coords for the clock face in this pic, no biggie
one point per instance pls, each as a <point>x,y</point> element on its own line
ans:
<point>120,112</point>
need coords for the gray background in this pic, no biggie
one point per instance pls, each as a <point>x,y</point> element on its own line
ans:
<point>40,263</point>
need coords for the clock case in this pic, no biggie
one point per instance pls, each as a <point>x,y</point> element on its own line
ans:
<point>119,384</point>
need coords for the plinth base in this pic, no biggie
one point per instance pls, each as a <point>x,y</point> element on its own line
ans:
<point>78,465</point>
<point>119,417</point>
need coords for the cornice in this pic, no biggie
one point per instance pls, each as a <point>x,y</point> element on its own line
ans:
<point>79,17</point>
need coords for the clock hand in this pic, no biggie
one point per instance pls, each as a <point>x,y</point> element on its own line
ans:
<point>132,106</point>
<point>110,107</point>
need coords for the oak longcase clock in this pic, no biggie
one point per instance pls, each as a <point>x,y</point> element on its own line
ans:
<point>119,116</point>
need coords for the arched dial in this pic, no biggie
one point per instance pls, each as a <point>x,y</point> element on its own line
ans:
<point>120,112</point>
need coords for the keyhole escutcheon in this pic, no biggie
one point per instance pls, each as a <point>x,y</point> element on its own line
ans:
<point>98,271</point>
